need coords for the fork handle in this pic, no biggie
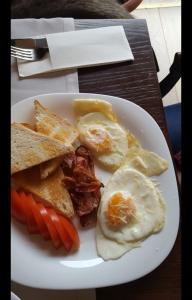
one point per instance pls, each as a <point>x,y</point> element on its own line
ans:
<point>30,43</point>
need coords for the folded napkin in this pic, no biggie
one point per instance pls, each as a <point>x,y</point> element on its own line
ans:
<point>80,48</point>
<point>55,82</point>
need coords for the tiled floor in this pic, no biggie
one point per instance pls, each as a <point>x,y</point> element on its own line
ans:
<point>164,24</point>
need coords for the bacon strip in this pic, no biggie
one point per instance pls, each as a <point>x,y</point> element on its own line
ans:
<point>82,184</point>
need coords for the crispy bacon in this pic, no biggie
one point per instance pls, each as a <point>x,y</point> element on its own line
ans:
<point>82,184</point>
<point>89,219</point>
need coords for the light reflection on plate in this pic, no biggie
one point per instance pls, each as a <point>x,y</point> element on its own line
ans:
<point>82,263</point>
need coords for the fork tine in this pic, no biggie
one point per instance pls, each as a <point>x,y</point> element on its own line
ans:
<point>28,55</point>
<point>22,50</point>
<point>21,57</point>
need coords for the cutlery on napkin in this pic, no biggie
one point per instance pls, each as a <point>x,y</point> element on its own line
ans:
<point>82,48</point>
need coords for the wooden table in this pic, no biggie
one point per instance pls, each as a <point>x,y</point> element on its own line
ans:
<point>136,82</point>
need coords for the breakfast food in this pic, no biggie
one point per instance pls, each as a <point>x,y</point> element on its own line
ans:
<point>147,162</point>
<point>50,190</point>
<point>45,221</point>
<point>49,166</point>
<point>30,126</point>
<point>82,185</point>
<point>54,179</point>
<point>100,132</point>
<point>105,138</point>
<point>53,125</point>
<point>84,106</point>
<point>131,209</point>
<point>30,148</point>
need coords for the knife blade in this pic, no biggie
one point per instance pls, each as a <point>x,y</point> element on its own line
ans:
<point>30,43</point>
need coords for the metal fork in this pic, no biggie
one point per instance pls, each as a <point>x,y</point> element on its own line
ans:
<point>28,54</point>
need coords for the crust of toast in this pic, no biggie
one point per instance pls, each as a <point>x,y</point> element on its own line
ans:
<point>48,167</point>
<point>53,125</point>
<point>51,189</point>
<point>30,148</point>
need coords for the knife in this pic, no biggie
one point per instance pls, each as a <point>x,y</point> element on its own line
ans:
<point>30,43</point>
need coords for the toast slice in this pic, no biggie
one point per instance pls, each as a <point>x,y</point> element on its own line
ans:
<point>50,190</point>
<point>48,167</point>
<point>30,126</point>
<point>53,125</point>
<point>30,148</point>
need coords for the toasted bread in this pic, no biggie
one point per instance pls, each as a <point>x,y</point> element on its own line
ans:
<point>51,190</point>
<point>53,125</point>
<point>48,167</point>
<point>30,148</point>
<point>30,126</point>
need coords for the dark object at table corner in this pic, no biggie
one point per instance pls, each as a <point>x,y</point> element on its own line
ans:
<point>174,75</point>
<point>173,111</point>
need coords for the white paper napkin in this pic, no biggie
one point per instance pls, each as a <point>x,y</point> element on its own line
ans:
<point>80,48</point>
<point>55,82</point>
<point>89,47</point>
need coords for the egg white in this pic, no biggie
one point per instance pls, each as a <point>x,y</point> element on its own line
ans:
<point>110,249</point>
<point>113,158</point>
<point>149,218</point>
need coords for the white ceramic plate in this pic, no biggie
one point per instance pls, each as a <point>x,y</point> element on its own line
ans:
<point>35,263</point>
<point>14,297</point>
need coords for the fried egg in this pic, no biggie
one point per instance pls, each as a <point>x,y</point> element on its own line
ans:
<point>131,209</point>
<point>146,162</point>
<point>105,138</point>
<point>84,106</point>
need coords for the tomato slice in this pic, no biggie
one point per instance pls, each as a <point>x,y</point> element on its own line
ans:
<point>44,220</point>
<point>16,208</point>
<point>30,221</point>
<point>64,236</point>
<point>43,230</point>
<point>71,231</point>
<point>50,226</point>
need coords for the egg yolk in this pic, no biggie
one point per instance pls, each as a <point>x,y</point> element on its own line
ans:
<point>120,211</point>
<point>98,140</point>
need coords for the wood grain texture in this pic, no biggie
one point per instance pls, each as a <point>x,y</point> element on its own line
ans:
<point>138,83</point>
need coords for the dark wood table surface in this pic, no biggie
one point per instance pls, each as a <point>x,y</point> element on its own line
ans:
<point>138,83</point>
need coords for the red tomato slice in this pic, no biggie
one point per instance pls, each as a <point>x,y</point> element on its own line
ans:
<point>44,220</point>
<point>64,236</point>
<point>38,218</point>
<point>30,221</point>
<point>69,227</point>
<point>16,208</point>
<point>51,228</point>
